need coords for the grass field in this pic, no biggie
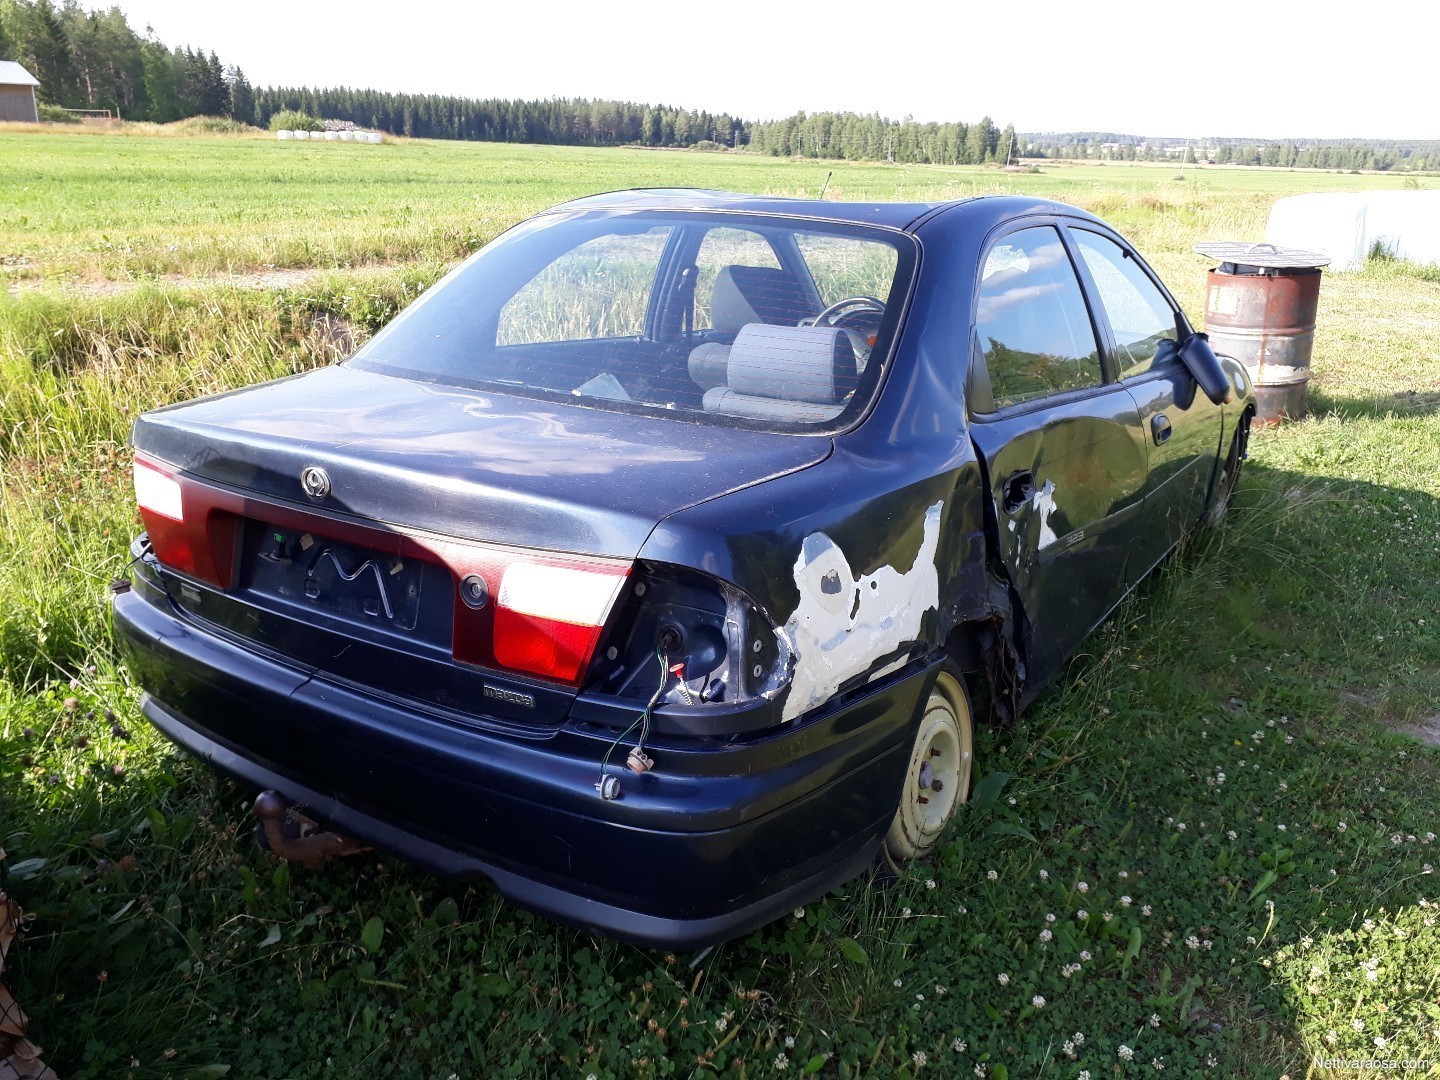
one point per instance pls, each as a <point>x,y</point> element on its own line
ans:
<point>1218,804</point>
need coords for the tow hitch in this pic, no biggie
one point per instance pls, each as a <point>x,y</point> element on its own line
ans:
<point>295,837</point>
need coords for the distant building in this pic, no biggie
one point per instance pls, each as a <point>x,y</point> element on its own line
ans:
<point>17,93</point>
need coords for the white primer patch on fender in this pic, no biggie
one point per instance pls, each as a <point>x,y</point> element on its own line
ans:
<point>844,623</point>
<point>1043,503</point>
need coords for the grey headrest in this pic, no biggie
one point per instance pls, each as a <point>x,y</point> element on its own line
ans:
<point>707,363</point>
<point>792,363</point>
<point>751,294</point>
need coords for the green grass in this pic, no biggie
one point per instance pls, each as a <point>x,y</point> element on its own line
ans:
<point>1287,651</point>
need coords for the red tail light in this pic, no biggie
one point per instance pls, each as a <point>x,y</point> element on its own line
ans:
<point>184,531</point>
<point>546,614</point>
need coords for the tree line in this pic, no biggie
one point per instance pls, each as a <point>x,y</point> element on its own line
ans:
<point>94,60</point>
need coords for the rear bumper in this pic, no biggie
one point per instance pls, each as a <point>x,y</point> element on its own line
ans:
<point>717,840</point>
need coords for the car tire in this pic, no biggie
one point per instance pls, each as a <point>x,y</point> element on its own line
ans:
<point>937,778</point>
<point>1229,475</point>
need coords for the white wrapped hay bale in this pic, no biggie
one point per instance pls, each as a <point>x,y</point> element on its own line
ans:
<point>284,136</point>
<point>302,135</point>
<point>376,138</point>
<point>331,136</point>
<point>347,136</point>
<point>1406,224</point>
<point>1330,223</point>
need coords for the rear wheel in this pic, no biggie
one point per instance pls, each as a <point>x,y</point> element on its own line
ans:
<point>937,779</point>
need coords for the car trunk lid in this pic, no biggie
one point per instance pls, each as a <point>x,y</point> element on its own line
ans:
<point>429,487</point>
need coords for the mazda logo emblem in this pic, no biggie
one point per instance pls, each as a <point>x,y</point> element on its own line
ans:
<point>315,481</point>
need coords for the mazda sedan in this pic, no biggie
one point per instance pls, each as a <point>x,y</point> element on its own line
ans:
<point>647,565</point>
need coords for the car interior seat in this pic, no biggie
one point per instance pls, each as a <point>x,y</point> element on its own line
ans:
<point>743,295</point>
<point>797,374</point>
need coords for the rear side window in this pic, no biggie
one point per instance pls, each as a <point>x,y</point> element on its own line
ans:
<point>1034,328</point>
<point>1140,316</point>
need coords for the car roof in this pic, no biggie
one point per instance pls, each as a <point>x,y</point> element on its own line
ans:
<point>906,216</point>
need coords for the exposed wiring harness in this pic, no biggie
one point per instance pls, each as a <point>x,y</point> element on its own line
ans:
<point>608,786</point>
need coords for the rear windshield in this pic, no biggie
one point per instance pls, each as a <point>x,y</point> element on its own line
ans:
<point>729,319</point>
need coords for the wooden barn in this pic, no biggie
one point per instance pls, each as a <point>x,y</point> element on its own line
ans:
<point>17,93</point>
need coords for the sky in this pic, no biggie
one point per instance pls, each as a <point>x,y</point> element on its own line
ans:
<point>1249,68</point>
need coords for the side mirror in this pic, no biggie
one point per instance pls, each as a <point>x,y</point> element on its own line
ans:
<point>1205,368</point>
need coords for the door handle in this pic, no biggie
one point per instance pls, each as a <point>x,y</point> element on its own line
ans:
<point>1160,428</point>
<point>1019,486</point>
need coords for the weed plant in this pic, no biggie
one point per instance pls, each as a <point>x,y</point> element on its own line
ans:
<point>1207,850</point>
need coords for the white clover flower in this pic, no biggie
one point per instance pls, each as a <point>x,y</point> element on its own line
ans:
<point>1044,875</point>
<point>1157,1063</point>
<point>919,997</point>
<point>919,1058</point>
<point>1084,1074</point>
<point>1341,827</point>
<point>781,1062</point>
<point>958,1045</point>
<point>1250,939</point>
<point>789,1042</point>
<point>1106,915</point>
<point>1082,886</point>
<point>1380,1041</point>
<point>905,913</point>
<point>1069,969</point>
<point>1125,901</point>
<point>1125,1053</point>
<point>929,883</point>
<point>721,1023</point>
<point>940,989</point>
<point>1003,979</point>
<point>899,983</point>
<point>1211,1061</point>
<point>1358,1024</point>
<point>1085,955</point>
<point>1038,1001</point>
<point>1231,834</point>
<point>1123,874</point>
<point>1046,935</point>
<point>1011,800</point>
<point>1082,914</point>
<point>799,912</point>
<point>1192,942</point>
<point>1078,1038</point>
<point>992,875</point>
<point>1332,1038</point>
<point>1145,909</point>
<point>1155,1020</point>
<point>980,1070</point>
<point>1179,826</point>
<point>1280,827</point>
<point>1069,1048</point>
<point>1050,917</point>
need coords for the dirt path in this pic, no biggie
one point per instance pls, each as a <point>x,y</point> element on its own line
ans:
<point>256,279</point>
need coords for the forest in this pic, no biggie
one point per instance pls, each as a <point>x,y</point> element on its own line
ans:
<point>94,60</point>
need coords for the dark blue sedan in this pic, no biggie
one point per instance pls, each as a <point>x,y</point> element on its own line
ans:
<point>647,564</point>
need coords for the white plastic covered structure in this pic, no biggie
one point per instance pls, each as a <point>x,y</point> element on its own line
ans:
<point>1347,226</point>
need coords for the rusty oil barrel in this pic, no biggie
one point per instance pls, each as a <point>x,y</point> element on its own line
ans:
<point>1260,308</point>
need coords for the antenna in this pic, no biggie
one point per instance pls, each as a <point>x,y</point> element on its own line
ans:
<point>826,186</point>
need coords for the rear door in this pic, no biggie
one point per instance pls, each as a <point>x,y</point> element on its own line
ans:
<point>1061,441</point>
<point>1142,327</point>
